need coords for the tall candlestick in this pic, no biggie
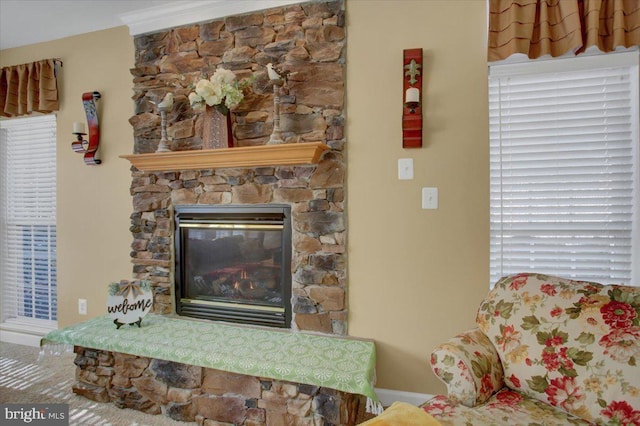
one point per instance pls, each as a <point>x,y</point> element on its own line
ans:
<point>276,134</point>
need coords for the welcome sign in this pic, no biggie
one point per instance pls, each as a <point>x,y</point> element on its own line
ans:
<point>129,301</point>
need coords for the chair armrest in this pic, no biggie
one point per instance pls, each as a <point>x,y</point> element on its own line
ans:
<point>469,366</point>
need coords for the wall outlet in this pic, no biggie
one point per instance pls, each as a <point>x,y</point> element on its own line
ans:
<point>82,306</point>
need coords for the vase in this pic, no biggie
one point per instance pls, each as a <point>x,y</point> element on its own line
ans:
<point>216,129</point>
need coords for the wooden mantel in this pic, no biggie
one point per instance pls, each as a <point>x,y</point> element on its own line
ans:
<point>247,156</point>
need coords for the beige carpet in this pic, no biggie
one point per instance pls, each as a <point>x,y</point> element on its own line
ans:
<point>24,379</point>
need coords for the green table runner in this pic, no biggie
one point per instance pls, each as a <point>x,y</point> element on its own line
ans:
<point>339,363</point>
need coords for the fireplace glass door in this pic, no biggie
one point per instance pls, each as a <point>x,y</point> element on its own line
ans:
<point>233,264</point>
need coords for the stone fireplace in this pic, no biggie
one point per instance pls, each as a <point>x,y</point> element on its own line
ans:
<point>194,238</point>
<point>233,263</point>
<point>308,41</point>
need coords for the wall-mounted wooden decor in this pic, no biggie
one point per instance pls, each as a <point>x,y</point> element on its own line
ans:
<point>81,145</point>
<point>411,98</point>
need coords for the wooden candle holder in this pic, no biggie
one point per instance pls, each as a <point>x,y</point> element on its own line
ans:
<point>412,111</point>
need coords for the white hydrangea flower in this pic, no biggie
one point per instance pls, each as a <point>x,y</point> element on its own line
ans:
<point>194,98</point>
<point>222,91</point>
<point>223,76</point>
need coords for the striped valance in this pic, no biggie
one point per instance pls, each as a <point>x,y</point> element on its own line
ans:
<point>556,27</point>
<point>28,88</point>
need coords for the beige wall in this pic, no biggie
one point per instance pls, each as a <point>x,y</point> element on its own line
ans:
<point>416,277</point>
<point>93,201</point>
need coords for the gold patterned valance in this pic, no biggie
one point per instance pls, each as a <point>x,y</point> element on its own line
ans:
<point>28,88</point>
<point>556,27</point>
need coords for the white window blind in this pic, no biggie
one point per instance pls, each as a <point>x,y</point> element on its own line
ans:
<point>28,224</point>
<point>564,168</point>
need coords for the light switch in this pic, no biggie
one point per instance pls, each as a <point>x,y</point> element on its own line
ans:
<point>405,168</point>
<point>429,198</point>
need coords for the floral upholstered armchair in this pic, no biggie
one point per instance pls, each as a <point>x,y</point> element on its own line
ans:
<point>547,351</point>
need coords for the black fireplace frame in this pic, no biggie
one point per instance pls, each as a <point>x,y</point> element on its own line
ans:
<point>255,214</point>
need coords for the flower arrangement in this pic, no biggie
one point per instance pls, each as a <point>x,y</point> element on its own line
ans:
<point>222,91</point>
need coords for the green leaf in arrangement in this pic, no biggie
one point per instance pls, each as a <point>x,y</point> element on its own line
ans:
<point>573,312</point>
<point>538,383</point>
<point>504,308</point>
<point>561,334</point>
<point>568,372</point>
<point>579,357</point>
<point>543,336</point>
<point>586,338</point>
<point>530,322</point>
<point>448,360</point>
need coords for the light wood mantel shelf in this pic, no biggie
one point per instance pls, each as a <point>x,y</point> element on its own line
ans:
<point>246,156</point>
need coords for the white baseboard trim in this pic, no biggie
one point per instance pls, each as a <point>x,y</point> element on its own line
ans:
<point>389,396</point>
<point>8,336</point>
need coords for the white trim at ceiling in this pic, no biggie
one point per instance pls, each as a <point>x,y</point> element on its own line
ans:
<point>180,13</point>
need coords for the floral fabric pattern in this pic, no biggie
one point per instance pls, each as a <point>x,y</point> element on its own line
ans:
<point>571,344</point>
<point>478,372</point>
<point>506,408</point>
<point>568,352</point>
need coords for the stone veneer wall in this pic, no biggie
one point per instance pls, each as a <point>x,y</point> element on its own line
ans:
<point>209,397</point>
<point>308,40</point>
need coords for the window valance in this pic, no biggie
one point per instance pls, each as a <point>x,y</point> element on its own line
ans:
<point>556,27</point>
<point>29,87</point>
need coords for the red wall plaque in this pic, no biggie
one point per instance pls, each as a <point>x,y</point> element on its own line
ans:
<point>412,111</point>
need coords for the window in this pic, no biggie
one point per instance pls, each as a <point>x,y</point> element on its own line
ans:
<point>564,168</point>
<point>28,224</point>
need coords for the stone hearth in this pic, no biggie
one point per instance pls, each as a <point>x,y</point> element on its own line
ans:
<point>208,396</point>
<point>309,41</point>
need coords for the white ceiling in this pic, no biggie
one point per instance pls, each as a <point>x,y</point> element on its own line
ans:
<point>24,22</point>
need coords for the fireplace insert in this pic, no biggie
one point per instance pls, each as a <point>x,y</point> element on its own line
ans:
<point>233,263</point>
